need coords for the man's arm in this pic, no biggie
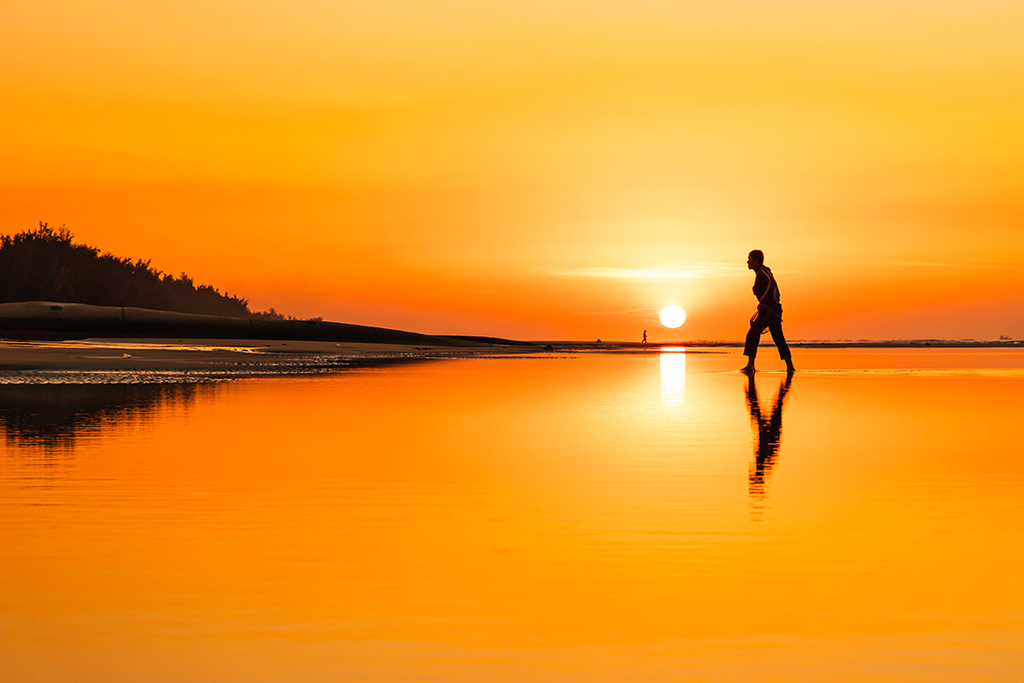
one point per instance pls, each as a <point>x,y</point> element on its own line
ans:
<point>761,284</point>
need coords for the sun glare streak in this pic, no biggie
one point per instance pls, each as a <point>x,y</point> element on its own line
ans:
<point>687,272</point>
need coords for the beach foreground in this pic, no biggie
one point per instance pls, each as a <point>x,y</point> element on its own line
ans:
<point>553,516</point>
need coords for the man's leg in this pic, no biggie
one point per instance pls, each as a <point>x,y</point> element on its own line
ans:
<point>775,327</point>
<point>753,339</point>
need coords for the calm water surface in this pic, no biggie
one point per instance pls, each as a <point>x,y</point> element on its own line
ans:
<point>600,517</point>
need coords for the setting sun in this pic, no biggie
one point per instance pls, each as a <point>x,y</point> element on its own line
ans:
<point>672,316</point>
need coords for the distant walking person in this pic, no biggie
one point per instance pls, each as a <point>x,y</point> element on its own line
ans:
<point>645,337</point>
<point>768,315</point>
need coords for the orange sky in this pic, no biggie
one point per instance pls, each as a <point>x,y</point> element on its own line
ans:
<point>537,170</point>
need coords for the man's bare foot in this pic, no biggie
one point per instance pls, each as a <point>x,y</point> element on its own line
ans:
<point>789,367</point>
<point>749,369</point>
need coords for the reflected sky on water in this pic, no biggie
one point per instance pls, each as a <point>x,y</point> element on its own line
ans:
<point>601,517</point>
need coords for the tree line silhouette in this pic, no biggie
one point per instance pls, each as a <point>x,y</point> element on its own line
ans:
<point>45,264</point>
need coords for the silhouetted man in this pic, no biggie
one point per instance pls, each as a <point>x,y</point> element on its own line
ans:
<point>769,313</point>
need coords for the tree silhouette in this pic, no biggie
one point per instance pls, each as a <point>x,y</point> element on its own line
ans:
<point>46,265</point>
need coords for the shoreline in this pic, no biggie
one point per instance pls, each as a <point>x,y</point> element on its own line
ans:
<point>162,337</point>
<point>211,357</point>
<point>865,344</point>
<point>180,359</point>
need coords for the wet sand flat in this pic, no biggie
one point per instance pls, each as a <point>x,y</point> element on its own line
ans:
<point>235,356</point>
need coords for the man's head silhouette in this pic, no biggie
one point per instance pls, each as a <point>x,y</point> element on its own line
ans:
<point>755,259</point>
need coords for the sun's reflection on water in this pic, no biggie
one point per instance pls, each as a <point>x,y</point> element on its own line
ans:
<point>673,376</point>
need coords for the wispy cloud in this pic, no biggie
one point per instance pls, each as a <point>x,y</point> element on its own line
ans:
<point>913,264</point>
<point>690,271</point>
<point>630,311</point>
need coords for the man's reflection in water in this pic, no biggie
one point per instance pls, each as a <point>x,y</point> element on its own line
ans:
<point>767,436</point>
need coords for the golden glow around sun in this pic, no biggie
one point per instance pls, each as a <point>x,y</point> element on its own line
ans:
<point>672,316</point>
